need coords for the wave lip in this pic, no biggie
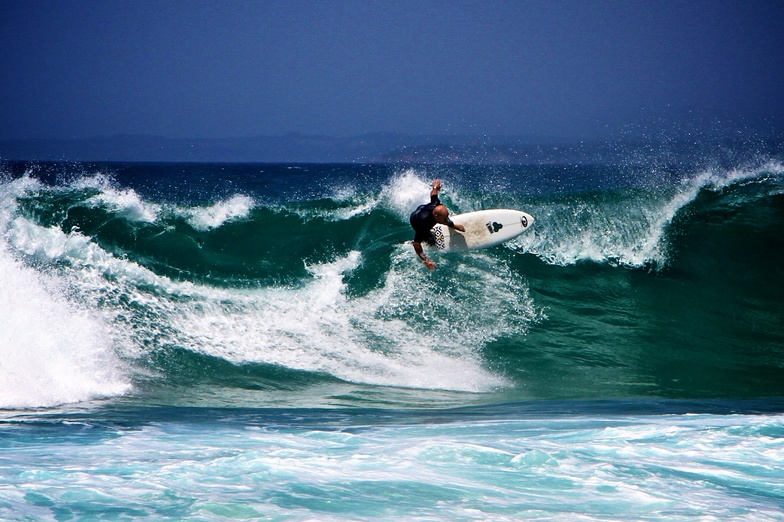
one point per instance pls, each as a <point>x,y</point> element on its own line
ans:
<point>215,215</point>
<point>626,227</point>
<point>125,203</point>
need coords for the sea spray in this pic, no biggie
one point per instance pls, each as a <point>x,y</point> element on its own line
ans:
<point>627,227</point>
<point>51,352</point>
<point>215,215</point>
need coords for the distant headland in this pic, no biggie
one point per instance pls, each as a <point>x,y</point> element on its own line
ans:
<point>386,148</point>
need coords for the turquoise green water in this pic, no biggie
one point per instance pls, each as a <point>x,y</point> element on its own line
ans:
<point>260,341</point>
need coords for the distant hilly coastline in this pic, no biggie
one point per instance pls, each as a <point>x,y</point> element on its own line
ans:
<point>287,148</point>
<point>383,148</point>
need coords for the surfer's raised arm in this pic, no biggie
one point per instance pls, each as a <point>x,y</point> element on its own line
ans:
<point>435,188</point>
<point>424,218</point>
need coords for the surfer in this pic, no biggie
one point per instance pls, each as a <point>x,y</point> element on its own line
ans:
<point>424,218</point>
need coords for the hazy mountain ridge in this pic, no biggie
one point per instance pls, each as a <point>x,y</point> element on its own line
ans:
<point>381,148</point>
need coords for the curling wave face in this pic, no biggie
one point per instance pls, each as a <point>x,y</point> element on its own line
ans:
<point>117,280</point>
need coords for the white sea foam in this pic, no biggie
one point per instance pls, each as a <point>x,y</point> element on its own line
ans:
<point>515,467</point>
<point>51,352</point>
<point>380,338</point>
<point>128,204</point>
<point>400,195</point>
<point>629,232</point>
<point>359,208</point>
<point>213,216</point>
<point>123,202</point>
<point>318,328</point>
<point>405,192</point>
<point>352,203</point>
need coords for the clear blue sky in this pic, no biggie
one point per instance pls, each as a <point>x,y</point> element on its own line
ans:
<point>223,68</point>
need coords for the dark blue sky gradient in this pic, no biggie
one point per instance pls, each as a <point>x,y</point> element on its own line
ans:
<point>581,69</point>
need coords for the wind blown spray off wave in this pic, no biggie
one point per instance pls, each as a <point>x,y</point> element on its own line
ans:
<point>630,227</point>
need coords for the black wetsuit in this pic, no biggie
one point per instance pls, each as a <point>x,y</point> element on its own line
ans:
<point>422,221</point>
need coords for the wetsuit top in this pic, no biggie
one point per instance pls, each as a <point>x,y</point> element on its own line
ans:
<point>422,221</point>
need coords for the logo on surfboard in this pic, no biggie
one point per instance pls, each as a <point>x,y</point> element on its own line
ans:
<point>438,235</point>
<point>494,227</point>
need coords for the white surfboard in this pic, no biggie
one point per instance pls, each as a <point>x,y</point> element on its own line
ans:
<point>483,229</point>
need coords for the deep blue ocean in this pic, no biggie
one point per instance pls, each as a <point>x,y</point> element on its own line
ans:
<point>257,341</point>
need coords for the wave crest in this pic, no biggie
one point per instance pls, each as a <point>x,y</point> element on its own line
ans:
<point>627,227</point>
